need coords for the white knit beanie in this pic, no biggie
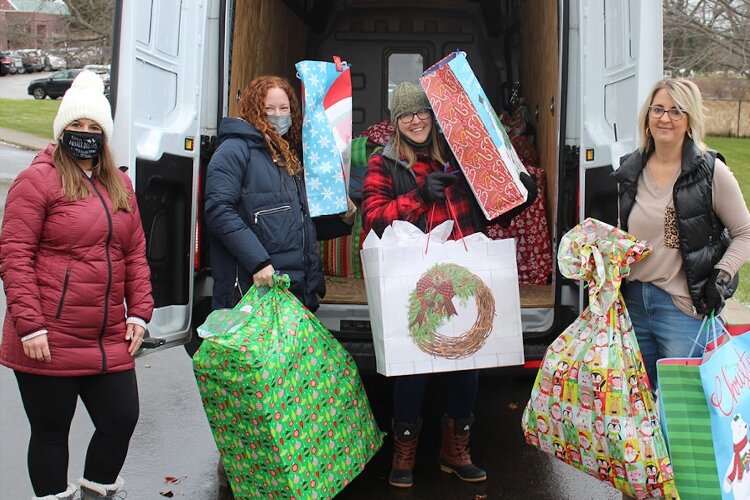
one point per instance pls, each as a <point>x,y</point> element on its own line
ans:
<point>84,99</point>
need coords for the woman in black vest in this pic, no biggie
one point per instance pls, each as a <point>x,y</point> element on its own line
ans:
<point>682,199</point>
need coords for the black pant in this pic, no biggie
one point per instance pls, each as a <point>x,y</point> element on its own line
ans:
<point>50,402</point>
<point>460,389</point>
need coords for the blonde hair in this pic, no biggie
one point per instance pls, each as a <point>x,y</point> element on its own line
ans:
<point>76,187</point>
<point>252,109</point>
<point>436,151</point>
<point>686,96</point>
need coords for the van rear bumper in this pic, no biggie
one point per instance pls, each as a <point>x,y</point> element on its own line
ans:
<point>363,352</point>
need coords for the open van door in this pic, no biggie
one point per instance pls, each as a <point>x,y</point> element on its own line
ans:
<point>620,49</point>
<point>156,97</point>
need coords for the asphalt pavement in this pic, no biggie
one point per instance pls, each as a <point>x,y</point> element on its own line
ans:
<point>16,86</point>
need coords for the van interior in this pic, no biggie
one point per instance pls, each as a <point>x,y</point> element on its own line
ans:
<point>511,45</point>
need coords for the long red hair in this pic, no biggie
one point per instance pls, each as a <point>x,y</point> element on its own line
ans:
<point>285,152</point>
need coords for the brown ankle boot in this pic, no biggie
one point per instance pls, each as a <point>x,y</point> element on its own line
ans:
<point>225,492</point>
<point>405,439</point>
<point>454,450</point>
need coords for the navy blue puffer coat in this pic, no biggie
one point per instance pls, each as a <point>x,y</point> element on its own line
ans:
<point>256,214</point>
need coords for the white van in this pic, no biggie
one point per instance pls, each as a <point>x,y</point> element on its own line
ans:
<point>584,67</point>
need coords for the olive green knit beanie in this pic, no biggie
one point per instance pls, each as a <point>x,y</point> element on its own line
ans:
<point>408,97</point>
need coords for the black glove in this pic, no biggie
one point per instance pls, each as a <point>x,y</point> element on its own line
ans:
<point>716,289</point>
<point>530,184</point>
<point>434,186</point>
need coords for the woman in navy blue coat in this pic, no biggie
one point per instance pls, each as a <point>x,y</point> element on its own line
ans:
<point>255,202</point>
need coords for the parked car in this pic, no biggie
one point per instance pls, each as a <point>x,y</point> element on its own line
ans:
<point>102,70</point>
<point>53,61</point>
<point>32,60</point>
<point>17,62</point>
<point>7,67</point>
<point>54,85</point>
<point>99,69</point>
<point>78,57</point>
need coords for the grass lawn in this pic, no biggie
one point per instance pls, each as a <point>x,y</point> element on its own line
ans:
<point>737,152</point>
<point>29,115</point>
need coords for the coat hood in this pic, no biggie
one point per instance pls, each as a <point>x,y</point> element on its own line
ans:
<point>389,151</point>
<point>45,156</point>
<point>231,128</point>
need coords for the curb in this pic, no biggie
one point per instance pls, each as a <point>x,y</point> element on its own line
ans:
<point>19,145</point>
<point>22,140</point>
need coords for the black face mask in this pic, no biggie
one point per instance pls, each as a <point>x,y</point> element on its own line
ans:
<point>82,145</point>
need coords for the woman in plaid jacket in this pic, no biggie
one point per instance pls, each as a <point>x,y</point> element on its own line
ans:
<point>414,178</point>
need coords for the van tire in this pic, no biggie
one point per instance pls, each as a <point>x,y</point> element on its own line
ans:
<point>201,309</point>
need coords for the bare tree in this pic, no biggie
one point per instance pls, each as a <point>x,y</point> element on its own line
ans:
<point>90,25</point>
<point>707,35</point>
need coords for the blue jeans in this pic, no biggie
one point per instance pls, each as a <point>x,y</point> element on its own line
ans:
<point>662,330</point>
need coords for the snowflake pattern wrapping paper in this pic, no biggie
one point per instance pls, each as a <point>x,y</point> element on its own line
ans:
<point>326,133</point>
<point>591,405</point>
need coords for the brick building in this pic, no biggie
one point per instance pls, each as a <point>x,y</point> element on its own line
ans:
<point>36,24</point>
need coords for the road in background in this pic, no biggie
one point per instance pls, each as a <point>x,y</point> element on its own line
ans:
<point>15,86</point>
<point>12,161</point>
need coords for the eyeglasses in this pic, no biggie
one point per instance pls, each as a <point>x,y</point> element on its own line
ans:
<point>422,114</point>
<point>675,114</point>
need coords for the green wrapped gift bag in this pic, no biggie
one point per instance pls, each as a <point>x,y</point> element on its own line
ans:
<point>284,399</point>
<point>688,424</point>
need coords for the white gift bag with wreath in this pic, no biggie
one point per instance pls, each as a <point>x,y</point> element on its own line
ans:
<point>438,305</point>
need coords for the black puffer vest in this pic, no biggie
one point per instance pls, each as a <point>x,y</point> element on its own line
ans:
<point>703,238</point>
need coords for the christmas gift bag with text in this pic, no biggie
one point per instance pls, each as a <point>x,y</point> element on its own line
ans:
<point>725,375</point>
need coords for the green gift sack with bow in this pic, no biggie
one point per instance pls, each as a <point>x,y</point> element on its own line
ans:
<point>283,398</point>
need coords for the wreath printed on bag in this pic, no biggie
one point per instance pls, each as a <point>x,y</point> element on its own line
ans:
<point>430,304</point>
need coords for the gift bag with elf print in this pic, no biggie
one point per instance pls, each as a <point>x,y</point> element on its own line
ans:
<point>591,405</point>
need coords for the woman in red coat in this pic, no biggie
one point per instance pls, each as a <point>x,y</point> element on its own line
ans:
<point>73,265</point>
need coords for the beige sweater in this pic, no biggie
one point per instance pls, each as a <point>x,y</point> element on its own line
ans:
<point>653,219</point>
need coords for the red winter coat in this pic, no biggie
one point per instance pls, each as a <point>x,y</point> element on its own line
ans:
<point>69,267</point>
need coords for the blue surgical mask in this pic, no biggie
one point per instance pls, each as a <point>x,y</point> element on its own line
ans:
<point>280,122</point>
